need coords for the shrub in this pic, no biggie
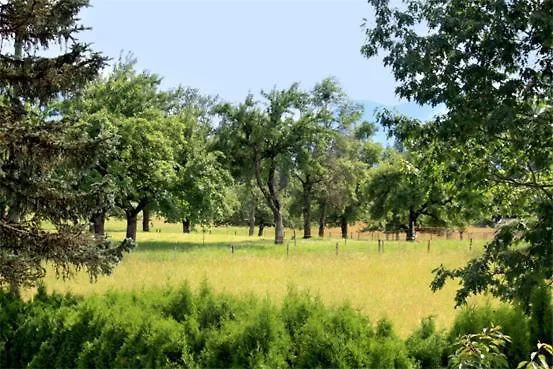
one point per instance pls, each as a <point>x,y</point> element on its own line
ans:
<point>512,321</point>
<point>428,347</point>
<point>178,328</point>
<point>541,315</point>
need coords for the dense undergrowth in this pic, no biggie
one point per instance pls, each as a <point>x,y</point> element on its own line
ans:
<point>175,328</point>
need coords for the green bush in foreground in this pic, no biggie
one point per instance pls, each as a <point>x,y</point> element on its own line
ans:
<point>177,328</point>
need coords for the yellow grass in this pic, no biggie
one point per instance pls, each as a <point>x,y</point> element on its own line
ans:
<point>393,284</point>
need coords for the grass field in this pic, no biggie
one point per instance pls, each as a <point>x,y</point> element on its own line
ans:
<point>392,284</point>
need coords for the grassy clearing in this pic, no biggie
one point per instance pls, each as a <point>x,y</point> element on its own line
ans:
<point>391,284</point>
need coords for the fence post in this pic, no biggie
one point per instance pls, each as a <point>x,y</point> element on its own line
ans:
<point>337,248</point>
<point>428,246</point>
<point>232,249</point>
<point>287,249</point>
<point>470,244</point>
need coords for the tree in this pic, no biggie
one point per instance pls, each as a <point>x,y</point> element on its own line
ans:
<point>408,186</point>
<point>129,106</point>
<point>261,139</point>
<point>490,64</point>
<point>43,156</point>
<point>331,118</point>
<point>200,191</point>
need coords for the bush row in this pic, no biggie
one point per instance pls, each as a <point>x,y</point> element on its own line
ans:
<point>177,328</point>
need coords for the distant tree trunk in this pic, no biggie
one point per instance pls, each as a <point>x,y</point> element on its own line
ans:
<point>131,224</point>
<point>344,226</point>
<point>98,224</point>
<point>14,289</point>
<point>261,228</point>
<point>132,213</point>
<point>411,229</point>
<point>251,219</point>
<point>186,225</point>
<point>270,192</point>
<point>307,210</point>
<point>322,219</point>
<point>14,214</point>
<point>146,219</point>
<point>279,228</point>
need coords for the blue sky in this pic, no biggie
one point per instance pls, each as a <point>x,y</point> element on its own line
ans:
<point>231,47</point>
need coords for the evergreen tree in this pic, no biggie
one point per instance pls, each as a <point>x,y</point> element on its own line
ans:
<point>42,154</point>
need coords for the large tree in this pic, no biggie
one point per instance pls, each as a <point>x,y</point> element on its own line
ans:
<point>43,156</point>
<point>200,192</point>
<point>129,106</point>
<point>490,63</point>
<point>409,186</point>
<point>261,138</point>
<point>327,128</point>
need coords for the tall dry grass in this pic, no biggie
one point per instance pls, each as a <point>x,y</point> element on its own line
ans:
<point>392,284</point>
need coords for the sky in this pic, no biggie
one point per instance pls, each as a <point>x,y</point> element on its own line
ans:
<point>230,48</point>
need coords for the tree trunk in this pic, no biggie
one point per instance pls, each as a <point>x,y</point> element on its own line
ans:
<point>98,224</point>
<point>279,228</point>
<point>270,192</point>
<point>131,225</point>
<point>411,230</point>
<point>186,225</point>
<point>322,220</point>
<point>14,214</point>
<point>251,220</point>
<point>261,228</point>
<point>14,289</point>
<point>306,211</point>
<point>146,219</point>
<point>344,226</point>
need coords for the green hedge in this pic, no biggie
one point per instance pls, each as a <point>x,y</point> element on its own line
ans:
<point>176,328</point>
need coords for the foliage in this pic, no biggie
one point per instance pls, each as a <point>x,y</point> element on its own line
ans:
<point>43,156</point>
<point>427,346</point>
<point>481,350</point>
<point>200,192</point>
<point>329,149</point>
<point>541,315</point>
<point>513,263</point>
<point>489,64</point>
<point>129,106</point>
<point>179,328</point>
<point>258,139</point>
<point>410,187</point>
<point>540,359</point>
<point>512,321</point>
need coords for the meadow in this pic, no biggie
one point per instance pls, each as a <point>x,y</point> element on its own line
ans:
<point>392,283</point>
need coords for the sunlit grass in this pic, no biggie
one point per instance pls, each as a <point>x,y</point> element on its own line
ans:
<point>392,284</point>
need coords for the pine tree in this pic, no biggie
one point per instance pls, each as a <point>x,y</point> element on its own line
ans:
<point>43,155</point>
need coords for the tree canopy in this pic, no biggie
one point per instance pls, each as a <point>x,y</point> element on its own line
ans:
<point>490,64</point>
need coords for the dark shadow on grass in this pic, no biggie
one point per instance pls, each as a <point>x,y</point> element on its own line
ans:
<point>146,246</point>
